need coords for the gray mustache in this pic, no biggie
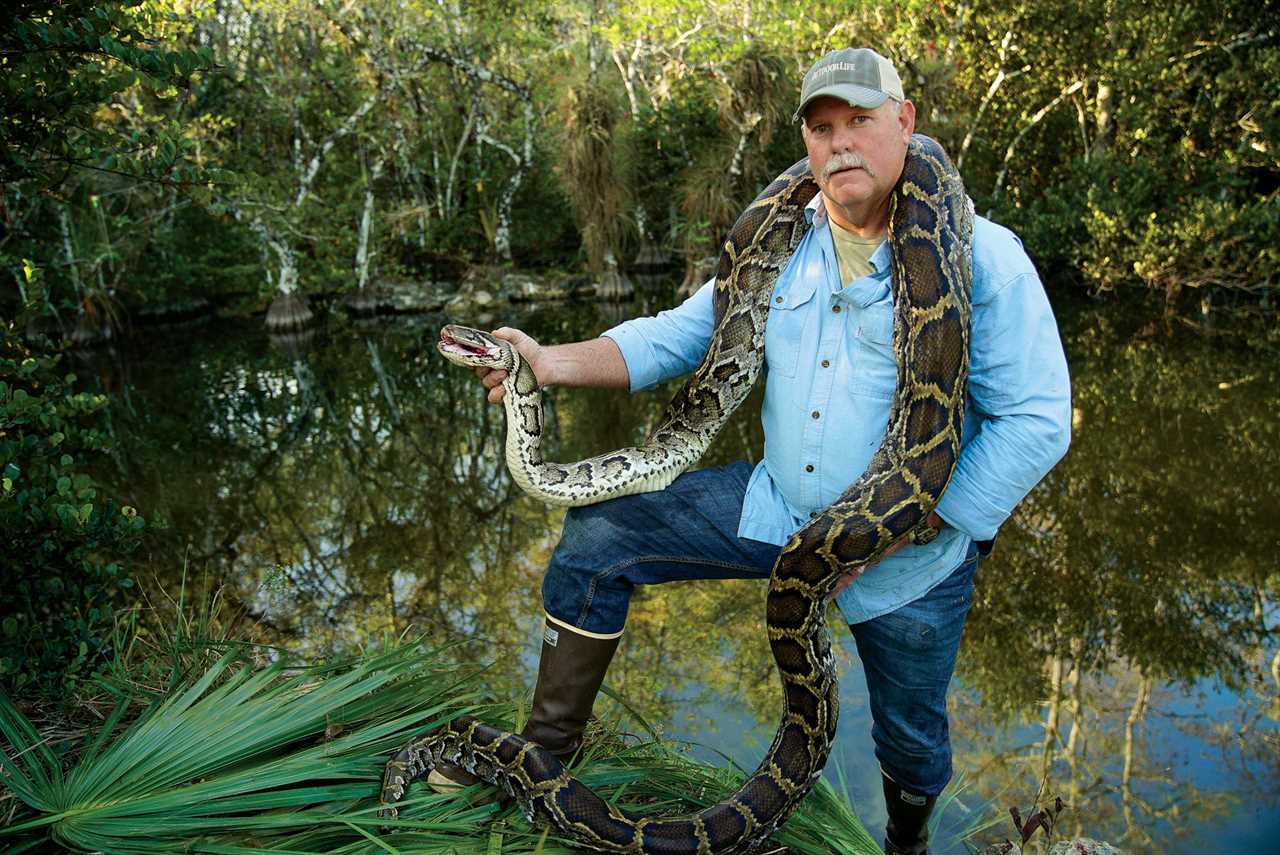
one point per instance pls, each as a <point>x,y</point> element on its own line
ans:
<point>845,160</point>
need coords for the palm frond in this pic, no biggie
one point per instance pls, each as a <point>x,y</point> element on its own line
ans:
<point>236,751</point>
<point>288,759</point>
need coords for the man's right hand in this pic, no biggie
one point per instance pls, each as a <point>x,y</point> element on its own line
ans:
<point>532,352</point>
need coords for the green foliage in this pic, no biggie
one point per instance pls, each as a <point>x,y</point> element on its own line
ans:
<point>1118,222</point>
<point>65,65</point>
<point>1146,226</point>
<point>63,543</point>
<point>238,758</point>
<point>93,142</point>
<point>298,747</point>
<point>158,151</point>
<point>196,254</point>
<point>589,115</point>
<point>1172,159</point>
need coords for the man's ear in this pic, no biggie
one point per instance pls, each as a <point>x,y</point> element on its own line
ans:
<point>907,120</point>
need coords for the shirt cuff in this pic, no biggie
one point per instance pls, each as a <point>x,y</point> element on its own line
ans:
<point>642,366</point>
<point>970,511</point>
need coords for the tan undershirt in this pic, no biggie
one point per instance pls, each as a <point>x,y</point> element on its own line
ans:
<point>853,253</point>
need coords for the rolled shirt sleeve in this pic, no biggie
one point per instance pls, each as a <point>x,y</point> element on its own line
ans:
<point>1020,395</point>
<point>669,344</point>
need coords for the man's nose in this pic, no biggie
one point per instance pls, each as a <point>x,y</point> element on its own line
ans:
<point>842,139</point>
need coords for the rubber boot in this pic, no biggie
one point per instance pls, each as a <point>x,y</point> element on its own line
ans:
<point>570,672</point>
<point>907,832</point>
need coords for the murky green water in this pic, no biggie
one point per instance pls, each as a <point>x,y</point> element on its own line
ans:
<point>352,487</point>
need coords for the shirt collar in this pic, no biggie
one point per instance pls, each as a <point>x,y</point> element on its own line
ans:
<point>816,213</point>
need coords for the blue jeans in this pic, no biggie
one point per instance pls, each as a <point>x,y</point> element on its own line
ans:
<point>689,531</point>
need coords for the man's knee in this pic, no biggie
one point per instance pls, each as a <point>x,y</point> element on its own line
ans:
<point>919,759</point>
<point>577,537</point>
<point>575,558</point>
<point>582,587</point>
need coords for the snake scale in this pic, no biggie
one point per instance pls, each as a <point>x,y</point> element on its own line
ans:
<point>930,229</point>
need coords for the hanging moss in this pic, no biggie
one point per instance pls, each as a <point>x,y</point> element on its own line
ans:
<point>589,114</point>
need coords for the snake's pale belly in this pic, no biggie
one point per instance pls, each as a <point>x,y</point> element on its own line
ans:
<point>930,233</point>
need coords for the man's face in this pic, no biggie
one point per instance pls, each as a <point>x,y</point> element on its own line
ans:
<point>839,136</point>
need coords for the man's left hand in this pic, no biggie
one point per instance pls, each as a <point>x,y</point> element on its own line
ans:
<point>848,578</point>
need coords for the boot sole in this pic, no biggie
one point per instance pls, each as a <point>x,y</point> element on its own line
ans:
<point>445,785</point>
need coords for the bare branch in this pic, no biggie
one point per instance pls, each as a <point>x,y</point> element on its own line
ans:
<point>1238,40</point>
<point>1035,120</point>
<point>348,124</point>
<point>1000,78</point>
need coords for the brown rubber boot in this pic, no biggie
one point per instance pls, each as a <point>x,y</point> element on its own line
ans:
<point>570,672</point>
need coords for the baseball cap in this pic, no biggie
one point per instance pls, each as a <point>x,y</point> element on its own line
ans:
<point>858,76</point>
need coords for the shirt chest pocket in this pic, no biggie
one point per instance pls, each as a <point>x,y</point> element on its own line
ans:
<point>875,371</point>
<point>790,313</point>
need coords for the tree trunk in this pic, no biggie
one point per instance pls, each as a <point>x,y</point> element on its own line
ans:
<point>467,127</point>
<point>1104,123</point>
<point>1136,714</point>
<point>1054,706</point>
<point>366,226</point>
<point>1077,739</point>
<point>69,255</point>
<point>384,382</point>
<point>1001,77</point>
<point>1104,97</point>
<point>289,309</point>
<point>502,230</point>
<point>650,256</point>
<point>628,73</point>
<point>502,227</point>
<point>1035,120</point>
<point>613,285</point>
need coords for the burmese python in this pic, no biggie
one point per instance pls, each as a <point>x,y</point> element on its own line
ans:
<point>930,232</point>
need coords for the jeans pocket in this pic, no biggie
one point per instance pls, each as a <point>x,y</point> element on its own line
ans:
<point>910,633</point>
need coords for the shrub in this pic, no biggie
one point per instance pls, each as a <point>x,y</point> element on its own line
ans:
<point>1123,223</point>
<point>63,544</point>
<point>1170,233</point>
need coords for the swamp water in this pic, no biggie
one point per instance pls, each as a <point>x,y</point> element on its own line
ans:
<point>351,486</point>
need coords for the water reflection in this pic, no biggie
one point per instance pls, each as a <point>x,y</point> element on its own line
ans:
<point>1130,599</point>
<point>350,487</point>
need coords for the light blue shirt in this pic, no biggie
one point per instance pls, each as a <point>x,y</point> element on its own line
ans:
<point>829,385</point>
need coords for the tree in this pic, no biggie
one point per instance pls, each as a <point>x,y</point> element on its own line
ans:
<point>92,144</point>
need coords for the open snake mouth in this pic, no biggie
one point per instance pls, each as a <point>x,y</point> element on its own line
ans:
<point>450,343</point>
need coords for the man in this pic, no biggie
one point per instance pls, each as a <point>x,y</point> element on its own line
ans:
<point>830,380</point>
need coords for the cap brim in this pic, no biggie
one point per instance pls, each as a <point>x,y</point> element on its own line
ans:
<point>852,94</point>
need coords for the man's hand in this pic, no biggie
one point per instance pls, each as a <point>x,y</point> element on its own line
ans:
<point>596,363</point>
<point>848,579</point>
<point>531,351</point>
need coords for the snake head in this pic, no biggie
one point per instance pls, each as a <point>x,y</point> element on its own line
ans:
<point>474,348</point>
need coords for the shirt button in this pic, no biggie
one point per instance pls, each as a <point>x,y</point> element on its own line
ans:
<point>826,363</point>
<point>777,299</point>
<point>808,467</point>
<point>815,414</point>
<point>835,309</point>
<point>813,515</point>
